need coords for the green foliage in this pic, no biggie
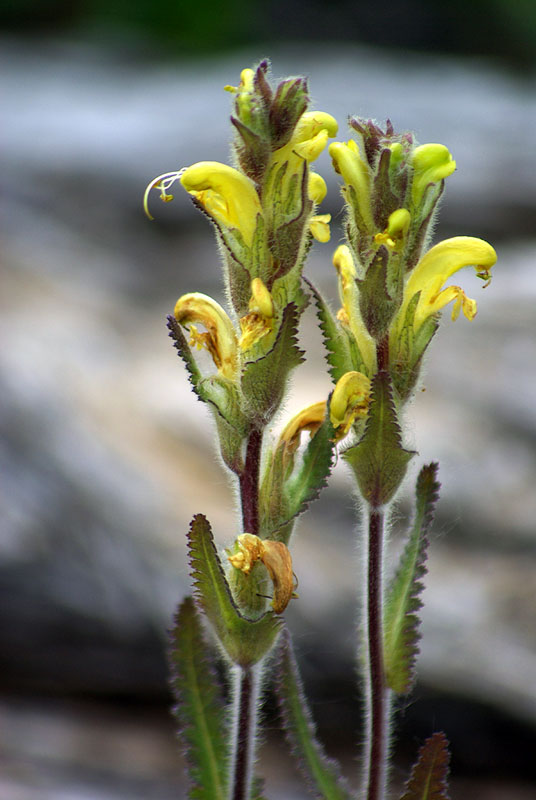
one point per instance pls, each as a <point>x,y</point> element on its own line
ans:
<point>378,460</point>
<point>245,641</point>
<point>200,709</point>
<point>264,381</point>
<point>428,779</point>
<point>401,623</point>
<point>321,773</point>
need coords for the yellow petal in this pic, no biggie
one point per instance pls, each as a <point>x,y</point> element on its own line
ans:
<point>316,188</point>
<point>348,163</point>
<point>220,337</point>
<point>226,194</point>
<point>438,265</point>
<point>311,123</point>
<point>249,551</point>
<point>308,419</point>
<point>319,227</point>
<point>259,322</point>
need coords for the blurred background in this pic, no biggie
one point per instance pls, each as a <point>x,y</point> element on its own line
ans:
<point>105,455</point>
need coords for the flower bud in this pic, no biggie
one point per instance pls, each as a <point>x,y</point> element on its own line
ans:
<point>431,163</point>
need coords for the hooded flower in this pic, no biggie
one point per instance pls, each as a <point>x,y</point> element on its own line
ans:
<point>226,194</point>
<point>435,268</point>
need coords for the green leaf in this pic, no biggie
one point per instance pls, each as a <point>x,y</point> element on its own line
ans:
<point>401,623</point>
<point>200,709</point>
<point>378,460</point>
<point>428,779</point>
<point>322,774</point>
<point>264,381</point>
<point>336,341</point>
<point>245,641</point>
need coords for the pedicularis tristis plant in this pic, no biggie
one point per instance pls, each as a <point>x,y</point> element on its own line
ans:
<point>392,292</point>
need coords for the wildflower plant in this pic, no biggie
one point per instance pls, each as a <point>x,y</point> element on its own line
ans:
<point>392,291</point>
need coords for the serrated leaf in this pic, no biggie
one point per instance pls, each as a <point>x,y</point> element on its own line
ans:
<point>264,381</point>
<point>200,709</point>
<point>428,779</point>
<point>336,342</point>
<point>401,623</point>
<point>183,348</point>
<point>378,460</point>
<point>245,641</point>
<point>321,773</point>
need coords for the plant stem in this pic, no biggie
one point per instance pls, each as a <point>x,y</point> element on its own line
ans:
<point>377,691</point>
<point>245,714</point>
<point>249,483</point>
<point>247,683</point>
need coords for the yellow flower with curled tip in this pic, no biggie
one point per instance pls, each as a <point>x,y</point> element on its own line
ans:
<point>276,558</point>
<point>435,268</point>
<point>349,315</point>
<point>260,319</point>
<point>219,338</point>
<point>431,163</point>
<point>350,401</point>
<point>226,194</point>
<point>348,163</point>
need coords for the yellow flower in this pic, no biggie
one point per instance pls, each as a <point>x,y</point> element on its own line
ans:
<point>349,315</point>
<point>319,227</point>
<point>431,163</point>
<point>276,558</point>
<point>347,162</point>
<point>219,338</point>
<point>226,194</point>
<point>259,321</point>
<point>436,267</point>
<point>349,401</point>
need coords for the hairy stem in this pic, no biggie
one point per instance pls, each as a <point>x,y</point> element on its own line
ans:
<point>247,683</point>
<point>244,723</point>
<point>249,483</point>
<point>377,694</point>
